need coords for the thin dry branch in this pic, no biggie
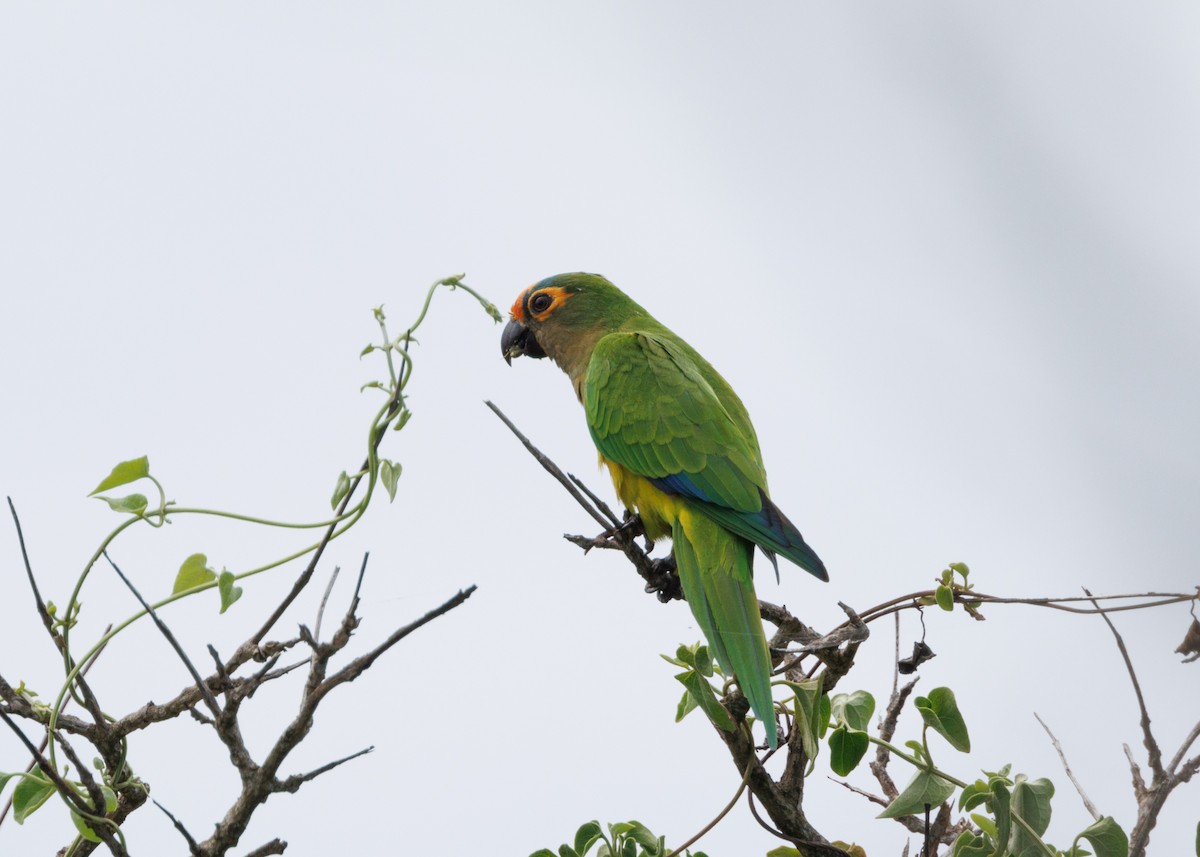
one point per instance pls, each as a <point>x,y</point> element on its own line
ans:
<point>264,780</point>
<point>1087,802</point>
<point>201,685</point>
<point>193,848</point>
<point>1153,753</point>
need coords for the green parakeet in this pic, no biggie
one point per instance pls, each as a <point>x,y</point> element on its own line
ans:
<point>681,451</point>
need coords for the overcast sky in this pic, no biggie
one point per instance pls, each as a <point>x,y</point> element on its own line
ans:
<point>946,253</point>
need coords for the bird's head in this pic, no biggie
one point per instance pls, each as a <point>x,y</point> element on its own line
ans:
<point>562,316</point>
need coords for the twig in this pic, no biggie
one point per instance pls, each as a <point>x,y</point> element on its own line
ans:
<point>552,468</point>
<point>325,600</point>
<point>43,763</point>
<point>1087,803</point>
<point>205,693</point>
<point>887,728</point>
<point>292,784</point>
<point>43,613</point>
<point>882,801</point>
<point>362,663</point>
<point>613,520</point>
<point>275,846</point>
<point>193,848</point>
<point>1153,753</point>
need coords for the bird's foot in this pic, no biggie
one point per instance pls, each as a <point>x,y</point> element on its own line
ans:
<point>663,581</point>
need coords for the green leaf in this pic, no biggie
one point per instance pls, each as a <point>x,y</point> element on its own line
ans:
<point>1001,800</point>
<point>704,661</point>
<point>807,709</point>
<point>365,351</point>
<point>33,791</point>
<point>543,852</point>
<point>629,849</point>
<point>986,824</point>
<point>853,709</point>
<point>134,504</point>
<point>918,751</point>
<point>686,706</point>
<point>340,490</point>
<point>824,715</point>
<point>389,474</point>
<point>924,789</point>
<point>702,692</point>
<point>229,592</point>
<point>566,851</point>
<point>940,711</point>
<point>1031,801</point>
<point>640,834</point>
<point>84,831</point>
<point>1001,774</point>
<point>850,848</point>
<point>123,474</point>
<point>402,420</point>
<point>1108,839</point>
<point>685,656</point>
<point>4,778</point>
<point>971,844</point>
<point>193,572</point>
<point>961,568</point>
<point>586,836</point>
<point>846,749</point>
<point>944,596</point>
<point>783,851</point>
<point>973,795</point>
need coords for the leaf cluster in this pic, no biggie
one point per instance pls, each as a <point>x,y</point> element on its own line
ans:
<point>624,839</point>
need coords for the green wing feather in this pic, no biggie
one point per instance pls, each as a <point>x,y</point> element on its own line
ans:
<point>651,408</point>
<point>657,408</point>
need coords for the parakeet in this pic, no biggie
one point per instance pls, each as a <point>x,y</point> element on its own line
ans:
<point>682,454</point>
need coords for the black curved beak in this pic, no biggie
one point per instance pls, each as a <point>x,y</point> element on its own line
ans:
<point>517,339</point>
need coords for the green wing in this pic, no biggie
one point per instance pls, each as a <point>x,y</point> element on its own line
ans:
<point>651,410</point>
<point>658,409</point>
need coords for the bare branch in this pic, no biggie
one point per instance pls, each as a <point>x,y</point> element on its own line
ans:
<point>205,693</point>
<point>193,848</point>
<point>552,469</point>
<point>325,600</point>
<point>603,507</point>
<point>42,611</point>
<point>1153,753</point>
<point>1087,802</point>
<point>48,769</point>
<point>887,728</point>
<point>362,663</point>
<point>292,784</point>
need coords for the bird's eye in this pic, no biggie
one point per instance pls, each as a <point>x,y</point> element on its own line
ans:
<point>540,303</point>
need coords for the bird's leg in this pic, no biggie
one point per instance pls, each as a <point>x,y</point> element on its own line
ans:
<point>663,580</point>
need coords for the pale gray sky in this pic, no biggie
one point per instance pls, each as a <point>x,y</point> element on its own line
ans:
<point>945,252</point>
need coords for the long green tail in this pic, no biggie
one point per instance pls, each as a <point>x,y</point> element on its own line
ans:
<point>714,568</point>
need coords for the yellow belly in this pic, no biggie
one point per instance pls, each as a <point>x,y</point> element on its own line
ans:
<point>658,510</point>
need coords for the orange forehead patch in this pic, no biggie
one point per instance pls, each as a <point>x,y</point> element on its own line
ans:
<point>518,307</point>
